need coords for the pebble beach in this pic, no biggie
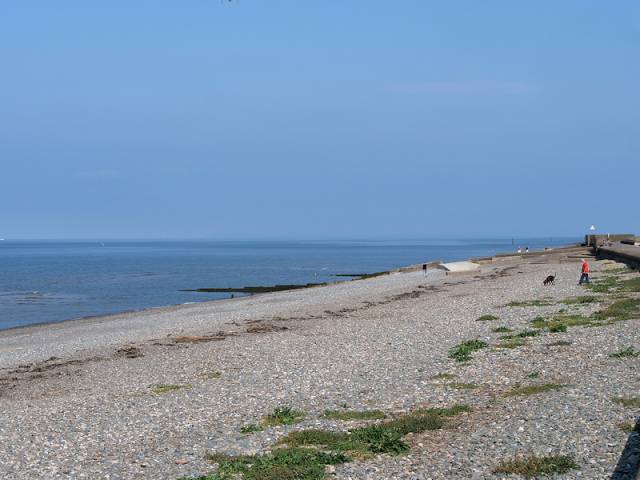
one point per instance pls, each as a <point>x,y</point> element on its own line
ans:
<point>149,395</point>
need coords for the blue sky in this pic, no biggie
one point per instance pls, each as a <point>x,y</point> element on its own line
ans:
<point>323,119</point>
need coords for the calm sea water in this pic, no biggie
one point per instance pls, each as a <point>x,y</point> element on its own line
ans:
<point>50,281</point>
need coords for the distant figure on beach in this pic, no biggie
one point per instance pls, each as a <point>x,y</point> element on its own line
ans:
<point>584,277</point>
<point>424,269</point>
<point>526,250</point>
<point>519,249</point>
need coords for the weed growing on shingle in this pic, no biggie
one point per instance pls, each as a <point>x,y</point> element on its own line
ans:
<point>620,310</point>
<point>617,270</point>
<point>383,437</point>
<point>535,374</point>
<point>444,411</point>
<point>213,476</point>
<point>354,414</point>
<point>530,303</point>
<point>586,299</point>
<point>625,352</point>
<point>213,375</point>
<point>534,389</point>
<point>527,333</point>
<point>462,385</point>
<point>280,464</point>
<point>251,428</point>
<point>561,322</point>
<point>633,402</point>
<point>512,342</point>
<point>629,427</point>
<point>615,283</point>
<point>604,285</point>
<point>533,466</point>
<point>443,376</point>
<point>166,388</point>
<point>559,343</point>
<point>631,285</point>
<point>573,320</point>
<point>558,328</point>
<point>502,330</point>
<point>283,416</point>
<point>539,322</point>
<point>462,352</point>
<point>487,318</point>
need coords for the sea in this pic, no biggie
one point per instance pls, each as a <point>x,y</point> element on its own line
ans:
<point>51,280</point>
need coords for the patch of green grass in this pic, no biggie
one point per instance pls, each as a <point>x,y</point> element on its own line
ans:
<point>462,352</point>
<point>512,342</point>
<point>443,376</point>
<point>535,374</point>
<point>280,464</point>
<point>615,283</point>
<point>631,285</point>
<point>559,343</point>
<point>586,299</point>
<point>530,303</point>
<point>533,466</point>
<point>527,333</point>
<point>625,352</point>
<point>560,322</point>
<point>462,385</point>
<point>604,285</point>
<point>251,428</point>
<point>633,402</point>
<point>534,389</point>
<point>283,416</point>
<point>629,427</point>
<point>380,438</point>
<point>502,330</point>
<point>557,328</point>
<point>573,320</point>
<point>213,375</point>
<point>523,334</point>
<point>620,310</point>
<point>166,388</point>
<point>383,437</point>
<point>618,270</point>
<point>539,322</point>
<point>354,414</point>
<point>486,318</point>
<point>213,476</point>
<point>445,411</point>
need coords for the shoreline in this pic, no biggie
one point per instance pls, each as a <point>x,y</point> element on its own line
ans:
<point>173,307</point>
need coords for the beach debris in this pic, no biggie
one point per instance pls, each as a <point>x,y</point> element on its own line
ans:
<point>200,338</point>
<point>266,328</point>
<point>129,352</point>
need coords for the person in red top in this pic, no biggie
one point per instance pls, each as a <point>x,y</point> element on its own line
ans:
<point>584,278</point>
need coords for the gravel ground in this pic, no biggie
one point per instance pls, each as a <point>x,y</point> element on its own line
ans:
<point>91,412</point>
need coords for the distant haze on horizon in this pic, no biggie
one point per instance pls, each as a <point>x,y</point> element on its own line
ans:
<point>318,120</point>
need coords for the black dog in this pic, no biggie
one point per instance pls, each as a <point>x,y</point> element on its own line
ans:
<point>549,280</point>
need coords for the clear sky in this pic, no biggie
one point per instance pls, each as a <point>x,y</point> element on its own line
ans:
<point>318,119</point>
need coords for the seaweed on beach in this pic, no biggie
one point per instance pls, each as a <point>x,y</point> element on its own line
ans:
<point>257,289</point>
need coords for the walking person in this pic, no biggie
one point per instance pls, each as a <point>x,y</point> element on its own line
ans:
<point>584,277</point>
<point>424,269</point>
